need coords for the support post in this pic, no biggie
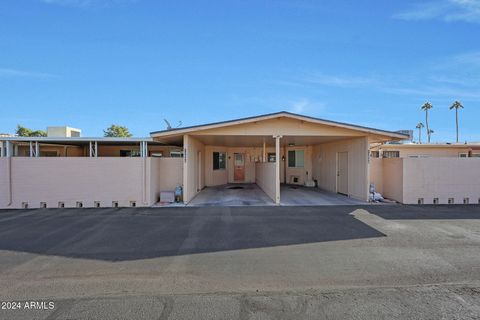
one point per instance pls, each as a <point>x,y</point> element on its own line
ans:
<point>2,149</point>
<point>277,169</point>
<point>8,149</point>
<point>90,148</point>
<point>145,149</point>
<point>264,151</point>
<point>96,149</point>
<point>31,149</point>
<point>37,149</point>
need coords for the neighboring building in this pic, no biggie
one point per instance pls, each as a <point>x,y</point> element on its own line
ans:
<point>268,150</point>
<point>434,173</point>
<point>427,150</point>
<point>63,132</point>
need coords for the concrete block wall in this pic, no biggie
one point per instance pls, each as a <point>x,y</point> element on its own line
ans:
<point>34,181</point>
<point>428,180</point>
<point>265,177</point>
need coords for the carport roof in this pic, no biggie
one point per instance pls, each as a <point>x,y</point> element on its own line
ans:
<point>394,135</point>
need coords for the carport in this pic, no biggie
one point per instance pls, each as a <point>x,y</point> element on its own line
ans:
<point>270,150</point>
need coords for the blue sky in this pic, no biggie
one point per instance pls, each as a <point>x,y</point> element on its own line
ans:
<point>91,63</point>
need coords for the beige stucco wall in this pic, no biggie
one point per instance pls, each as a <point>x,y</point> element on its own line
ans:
<point>4,181</point>
<point>304,173</point>
<point>154,179</point>
<point>376,173</point>
<point>406,180</point>
<point>69,180</point>
<point>214,177</point>
<point>325,166</point>
<point>252,155</point>
<point>193,180</point>
<point>428,151</point>
<point>432,152</point>
<point>393,179</point>
<point>265,177</point>
<point>170,173</point>
<point>441,178</point>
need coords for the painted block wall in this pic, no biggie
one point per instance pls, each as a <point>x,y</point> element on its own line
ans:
<point>68,180</point>
<point>325,166</point>
<point>265,177</point>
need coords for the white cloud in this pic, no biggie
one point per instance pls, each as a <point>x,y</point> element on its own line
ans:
<point>305,105</point>
<point>445,10</point>
<point>339,80</point>
<point>26,74</point>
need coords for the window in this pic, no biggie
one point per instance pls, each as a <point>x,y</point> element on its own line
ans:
<point>418,156</point>
<point>129,153</point>
<point>219,160</point>
<point>295,158</point>
<point>391,154</point>
<point>176,154</point>
<point>271,157</point>
<point>156,154</point>
<point>463,155</point>
<point>375,154</point>
<point>475,155</point>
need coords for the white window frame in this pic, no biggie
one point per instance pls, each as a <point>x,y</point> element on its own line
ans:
<point>296,158</point>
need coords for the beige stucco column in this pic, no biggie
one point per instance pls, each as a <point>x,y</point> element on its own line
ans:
<point>277,169</point>
<point>186,155</point>
<point>264,152</point>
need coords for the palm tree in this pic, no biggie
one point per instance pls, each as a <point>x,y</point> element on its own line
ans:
<point>456,105</point>
<point>430,132</point>
<point>419,127</point>
<point>427,106</point>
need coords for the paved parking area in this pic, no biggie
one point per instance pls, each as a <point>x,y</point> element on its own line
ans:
<point>363,262</point>
<point>249,194</point>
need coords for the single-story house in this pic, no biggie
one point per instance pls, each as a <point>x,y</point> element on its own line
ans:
<point>268,152</point>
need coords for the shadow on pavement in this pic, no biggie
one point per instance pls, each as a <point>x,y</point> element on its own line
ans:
<point>425,212</point>
<point>121,234</point>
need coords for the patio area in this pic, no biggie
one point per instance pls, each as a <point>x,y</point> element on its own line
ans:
<point>294,195</point>
<point>251,195</point>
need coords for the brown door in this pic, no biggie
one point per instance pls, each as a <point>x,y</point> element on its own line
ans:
<point>342,173</point>
<point>239,167</point>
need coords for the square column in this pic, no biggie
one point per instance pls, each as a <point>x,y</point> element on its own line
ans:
<point>277,169</point>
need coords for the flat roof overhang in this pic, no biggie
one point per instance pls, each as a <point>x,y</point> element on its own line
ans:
<point>80,141</point>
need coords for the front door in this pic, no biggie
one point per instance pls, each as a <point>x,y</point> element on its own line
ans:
<point>342,173</point>
<point>239,167</point>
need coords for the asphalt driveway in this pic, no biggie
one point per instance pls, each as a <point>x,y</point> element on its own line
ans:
<point>370,262</point>
<point>119,234</point>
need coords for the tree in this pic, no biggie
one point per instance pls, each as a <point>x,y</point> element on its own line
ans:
<point>427,106</point>
<point>117,131</point>
<point>419,127</point>
<point>26,132</point>
<point>456,105</point>
<point>430,132</point>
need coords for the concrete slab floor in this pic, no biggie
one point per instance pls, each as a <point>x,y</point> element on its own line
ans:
<point>294,195</point>
<point>245,194</point>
